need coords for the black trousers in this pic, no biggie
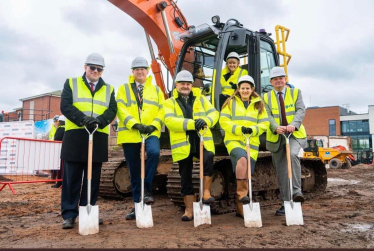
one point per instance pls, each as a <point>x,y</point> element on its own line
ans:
<point>72,190</point>
<point>186,166</point>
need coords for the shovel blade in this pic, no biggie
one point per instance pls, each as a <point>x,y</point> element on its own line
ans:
<point>294,215</point>
<point>88,222</point>
<point>201,217</point>
<point>252,218</point>
<point>143,214</point>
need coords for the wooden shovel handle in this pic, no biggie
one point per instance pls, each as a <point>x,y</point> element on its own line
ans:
<point>89,161</point>
<point>142,171</point>
<point>201,159</point>
<point>288,152</point>
<point>249,163</point>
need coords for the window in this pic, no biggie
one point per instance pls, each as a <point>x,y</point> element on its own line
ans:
<point>355,126</point>
<point>332,127</point>
<point>267,63</point>
<point>31,116</point>
<point>360,142</point>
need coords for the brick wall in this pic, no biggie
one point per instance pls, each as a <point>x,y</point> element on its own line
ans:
<point>42,106</point>
<point>316,120</point>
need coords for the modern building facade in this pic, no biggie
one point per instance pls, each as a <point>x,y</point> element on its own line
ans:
<point>338,121</point>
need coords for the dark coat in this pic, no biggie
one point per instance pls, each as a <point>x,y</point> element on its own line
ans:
<point>75,142</point>
<point>59,135</point>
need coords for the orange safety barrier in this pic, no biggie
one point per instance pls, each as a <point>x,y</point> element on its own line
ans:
<point>24,160</point>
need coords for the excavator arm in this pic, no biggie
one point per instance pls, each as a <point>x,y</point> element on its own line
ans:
<point>164,22</point>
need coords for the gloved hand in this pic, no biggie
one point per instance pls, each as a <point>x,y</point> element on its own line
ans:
<point>246,130</point>
<point>140,127</point>
<point>199,124</point>
<point>150,129</point>
<point>233,86</point>
<point>87,120</point>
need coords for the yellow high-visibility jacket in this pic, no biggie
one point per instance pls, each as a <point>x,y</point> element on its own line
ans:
<point>90,106</point>
<point>290,98</point>
<point>128,113</point>
<point>226,87</point>
<point>52,132</point>
<point>232,120</point>
<point>178,125</point>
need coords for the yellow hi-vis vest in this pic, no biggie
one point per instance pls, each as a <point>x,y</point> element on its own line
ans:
<point>128,113</point>
<point>178,125</point>
<point>290,98</point>
<point>90,106</point>
<point>52,132</point>
<point>226,87</point>
<point>234,118</point>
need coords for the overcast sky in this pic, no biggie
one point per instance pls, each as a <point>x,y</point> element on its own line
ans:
<point>44,42</point>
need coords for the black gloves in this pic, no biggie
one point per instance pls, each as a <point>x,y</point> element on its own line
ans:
<point>199,124</point>
<point>246,130</point>
<point>140,127</point>
<point>150,129</point>
<point>90,122</point>
<point>233,86</point>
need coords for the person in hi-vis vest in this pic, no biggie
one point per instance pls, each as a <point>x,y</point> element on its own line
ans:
<point>286,111</point>
<point>86,101</point>
<point>187,113</point>
<point>140,111</point>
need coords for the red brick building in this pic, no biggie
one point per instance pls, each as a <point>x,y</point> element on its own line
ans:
<point>41,107</point>
<point>319,120</point>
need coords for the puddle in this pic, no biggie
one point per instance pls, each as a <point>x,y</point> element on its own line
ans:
<point>358,228</point>
<point>338,182</point>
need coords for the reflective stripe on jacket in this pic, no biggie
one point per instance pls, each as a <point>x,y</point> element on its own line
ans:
<point>92,106</point>
<point>152,112</point>
<point>178,125</point>
<point>290,99</point>
<point>226,87</point>
<point>236,116</point>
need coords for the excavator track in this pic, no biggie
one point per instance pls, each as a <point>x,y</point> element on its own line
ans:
<point>115,179</point>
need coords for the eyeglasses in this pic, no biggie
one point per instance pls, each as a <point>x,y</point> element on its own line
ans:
<point>93,68</point>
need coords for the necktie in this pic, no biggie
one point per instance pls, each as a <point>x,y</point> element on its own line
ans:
<point>283,111</point>
<point>92,87</point>
<point>185,99</point>
<point>141,93</point>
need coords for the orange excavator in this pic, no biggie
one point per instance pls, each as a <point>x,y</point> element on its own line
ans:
<point>201,50</point>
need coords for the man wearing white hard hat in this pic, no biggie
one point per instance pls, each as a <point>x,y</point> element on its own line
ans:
<point>230,76</point>
<point>186,113</point>
<point>140,111</point>
<point>243,113</point>
<point>59,135</point>
<point>286,110</point>
<point>86,102</point>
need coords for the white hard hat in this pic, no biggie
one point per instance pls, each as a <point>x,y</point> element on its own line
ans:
<point>277,71</point>
<point>55,118</point>
<point>139,62</point>
<point>184,76</point>
<point>61,118</point>
<point>246,79</point>
<point>233,55</point>
<point>95,59</point>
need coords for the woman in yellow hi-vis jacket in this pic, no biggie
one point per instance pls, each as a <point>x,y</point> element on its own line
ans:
<point>186,113</point>
<point>243,113</point>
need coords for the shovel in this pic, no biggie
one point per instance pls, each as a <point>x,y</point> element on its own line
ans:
<point>251,211</point>
<point>89,215</point>
<point>201,212</point>
<point>143,211</point>
<point>294,214</point>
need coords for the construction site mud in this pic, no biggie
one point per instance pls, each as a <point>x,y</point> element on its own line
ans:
<point>342,217</point>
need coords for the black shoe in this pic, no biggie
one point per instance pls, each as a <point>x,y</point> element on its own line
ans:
<point>148,198</point>
<point>208,201</point>
<point>298,197</point>
<point>101,222</point>
<point>280,211</point>
<point>244,200</point>
<point>131,216</point>
<point>68,223</point>
<point>57,185</point>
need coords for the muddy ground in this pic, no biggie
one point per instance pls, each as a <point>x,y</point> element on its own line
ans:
<point>342,217</point>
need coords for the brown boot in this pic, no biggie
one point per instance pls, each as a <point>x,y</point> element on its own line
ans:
<point>207,198</point>
<point>239,208</point>
<point>242,191</point>
<point>188,213</point>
